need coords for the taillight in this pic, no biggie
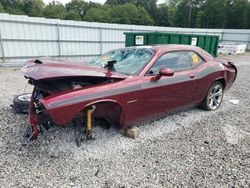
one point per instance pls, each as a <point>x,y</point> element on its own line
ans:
<point>232,66</point>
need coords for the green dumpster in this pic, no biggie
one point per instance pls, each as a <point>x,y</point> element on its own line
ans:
<point>207,42</point>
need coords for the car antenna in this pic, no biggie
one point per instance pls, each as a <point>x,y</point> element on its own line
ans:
<point>110,65</point>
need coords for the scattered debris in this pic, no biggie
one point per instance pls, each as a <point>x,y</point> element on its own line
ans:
<point>235,102</point>
<point>233,134</point>
<point>132,132</point>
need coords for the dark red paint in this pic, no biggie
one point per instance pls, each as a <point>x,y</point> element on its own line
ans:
<point>129,99</point>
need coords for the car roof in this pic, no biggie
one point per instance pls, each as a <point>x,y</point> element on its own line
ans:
<point>160,49</point>
<point>172,47</point>
<point>169,47</point>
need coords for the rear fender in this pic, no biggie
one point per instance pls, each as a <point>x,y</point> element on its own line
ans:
<point>220,79</point>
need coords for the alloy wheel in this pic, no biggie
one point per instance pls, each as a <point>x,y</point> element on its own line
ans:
<point>215,97</point>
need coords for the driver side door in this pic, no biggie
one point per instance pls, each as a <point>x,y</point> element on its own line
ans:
<point>168,94</point>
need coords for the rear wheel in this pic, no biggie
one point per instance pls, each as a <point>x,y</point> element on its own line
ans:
<point>214,97</point>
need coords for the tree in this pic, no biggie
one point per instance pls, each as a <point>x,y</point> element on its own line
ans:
<point>237,11</point>
<point>120,2</point>
<point>77,6</point>
<point>94,5</point>
<point>112,2</point>
<point>54,10</point>
<point>80,7</point>
<point>163,18</point>
<point>186,12</point>
<point>172,9</point>
<point>150,6</point>
<point>34,7</point>
<point>181,18</point>
<point>72,15</point>
<point>1,8</point>
<point>124,14</point>
<point>13,6</point>
<point>180,13</point>
<point>101,14</point>
<point>248,16</point>
<point>130,14</point>
<point>200,19</point>
<point>215,14</point>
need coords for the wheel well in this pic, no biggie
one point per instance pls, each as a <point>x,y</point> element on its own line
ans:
<point>222,81</point>
<point>110,111</point>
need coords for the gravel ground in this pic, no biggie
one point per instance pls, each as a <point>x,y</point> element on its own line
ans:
<point>194,148</point>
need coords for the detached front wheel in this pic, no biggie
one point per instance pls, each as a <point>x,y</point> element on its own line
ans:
<point>214,97</point>
<point>21,103</point>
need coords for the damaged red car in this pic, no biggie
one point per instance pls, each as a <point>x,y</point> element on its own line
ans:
<point>125,86</point>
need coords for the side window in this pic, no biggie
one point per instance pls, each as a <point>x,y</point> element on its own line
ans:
<point>195,59</point>
<point>177,61</point>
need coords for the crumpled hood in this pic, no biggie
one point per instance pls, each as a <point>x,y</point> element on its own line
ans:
<point>46,68</point>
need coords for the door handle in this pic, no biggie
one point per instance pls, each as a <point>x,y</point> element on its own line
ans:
<point>192,75</point>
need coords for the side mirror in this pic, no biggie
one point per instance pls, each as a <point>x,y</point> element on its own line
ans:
<point>164,72</point>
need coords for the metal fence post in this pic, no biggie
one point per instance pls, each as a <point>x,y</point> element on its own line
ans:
<point>222,35</point>
<point>58,40</point>
<point>100,40</point>
<point>1,43</point>
<point>248,46</point>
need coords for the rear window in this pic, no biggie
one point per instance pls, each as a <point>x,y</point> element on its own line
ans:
<point>195,59</point>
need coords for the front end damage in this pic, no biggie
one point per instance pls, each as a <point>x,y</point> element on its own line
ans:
<point>47,87</point>
<point>39,116</point>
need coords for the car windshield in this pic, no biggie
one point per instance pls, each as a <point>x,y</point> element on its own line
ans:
<point>129,61</point>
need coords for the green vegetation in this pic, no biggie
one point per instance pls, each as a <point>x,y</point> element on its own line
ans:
<point>174,13</point>
<point>1,8</point>
<point>124,14</point>
<point>54,10</point>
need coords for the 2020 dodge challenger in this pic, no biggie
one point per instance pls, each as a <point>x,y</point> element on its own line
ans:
<point>126,86</point>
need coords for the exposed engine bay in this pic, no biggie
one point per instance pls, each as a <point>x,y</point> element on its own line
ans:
<point>48,87</point>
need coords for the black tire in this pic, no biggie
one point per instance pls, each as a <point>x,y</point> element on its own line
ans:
<point>213,101</point>
<point>21,103</point>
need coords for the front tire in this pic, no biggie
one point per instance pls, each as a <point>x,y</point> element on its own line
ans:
<point>214,97</point>
<point>21,103</point>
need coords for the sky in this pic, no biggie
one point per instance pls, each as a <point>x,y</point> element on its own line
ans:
<point>98,1</point>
